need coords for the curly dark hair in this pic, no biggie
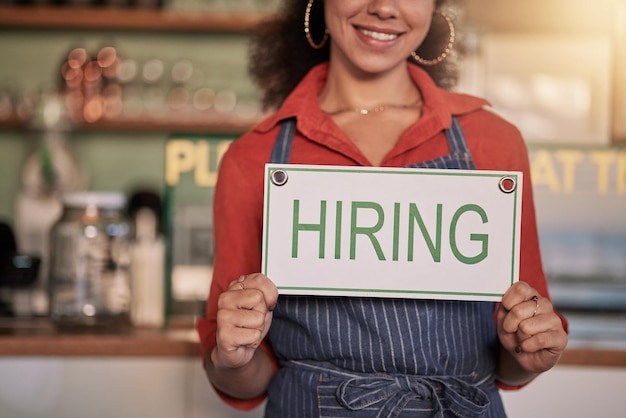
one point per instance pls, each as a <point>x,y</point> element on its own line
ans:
<point>278,60</point>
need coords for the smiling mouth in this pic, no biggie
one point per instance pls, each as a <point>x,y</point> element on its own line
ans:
<point>379,36</point>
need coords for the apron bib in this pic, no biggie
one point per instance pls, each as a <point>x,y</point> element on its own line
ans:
<point>383,357</point>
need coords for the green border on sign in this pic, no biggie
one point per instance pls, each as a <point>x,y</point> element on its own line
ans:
<point>395,291</point>
<point>410,171</point>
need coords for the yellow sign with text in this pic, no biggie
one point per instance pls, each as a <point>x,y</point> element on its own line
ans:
<point>200,157</point>
<point>567,170</point>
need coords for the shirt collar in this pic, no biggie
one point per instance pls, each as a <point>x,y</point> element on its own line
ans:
<point>439,104</point>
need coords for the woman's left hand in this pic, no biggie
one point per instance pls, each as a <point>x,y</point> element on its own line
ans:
<point>530,329</point>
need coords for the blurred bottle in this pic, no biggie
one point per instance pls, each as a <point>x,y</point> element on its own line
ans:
<point>154,87</point>
<point>111,91</point>
<point>147,260</point>
<point>179,95</point>
<point>127,77</point>
<point>48,172</point>
<point>71,82</point>
<point>17,270</point>
<point>7,98</point>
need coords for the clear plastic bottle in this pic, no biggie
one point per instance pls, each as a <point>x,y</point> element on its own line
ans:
<point>89,274</point>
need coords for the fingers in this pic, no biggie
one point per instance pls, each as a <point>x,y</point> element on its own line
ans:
<point>551,340</point>
<point>516,294</point>
<point>240,328</point>
<point>246,303</point>
<point>526,317</point>
<point>244,316</point>
<point>257,282</point>
<point>527,323</point>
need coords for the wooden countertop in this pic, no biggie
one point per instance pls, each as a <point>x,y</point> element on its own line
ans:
<point>136,344</point>
<point>594,356</point>
<point>39,338</point>
<point>180,340</point>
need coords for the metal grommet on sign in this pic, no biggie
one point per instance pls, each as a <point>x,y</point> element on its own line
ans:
<point>507,184</point>
<point>279,177</point>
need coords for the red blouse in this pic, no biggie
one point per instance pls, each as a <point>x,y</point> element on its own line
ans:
<point>238,207</point>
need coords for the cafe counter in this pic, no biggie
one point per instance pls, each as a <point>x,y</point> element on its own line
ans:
<point>158,373</point>
<point>39,338</point>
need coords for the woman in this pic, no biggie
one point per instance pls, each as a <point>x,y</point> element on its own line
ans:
<point>354,82</point>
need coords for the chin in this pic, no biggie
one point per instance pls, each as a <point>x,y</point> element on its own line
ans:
<point>379,68</point>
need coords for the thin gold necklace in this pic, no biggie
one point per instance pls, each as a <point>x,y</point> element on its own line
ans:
<point>376,109</point>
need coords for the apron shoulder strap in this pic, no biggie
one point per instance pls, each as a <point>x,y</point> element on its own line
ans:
<point>456,138</point>
<point>282,147</point>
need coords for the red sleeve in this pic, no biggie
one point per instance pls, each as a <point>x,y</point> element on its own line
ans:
<point>506,150</point>
<point>237,214</point>
<point>531,266</point>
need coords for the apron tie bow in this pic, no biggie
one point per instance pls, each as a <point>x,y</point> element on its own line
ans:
<point>460,397</point>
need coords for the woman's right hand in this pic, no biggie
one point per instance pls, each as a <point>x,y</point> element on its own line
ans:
<point>244,316</point>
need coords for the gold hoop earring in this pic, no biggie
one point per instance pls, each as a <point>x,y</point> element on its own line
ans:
<point>448,49</point>
<point>307,28</point>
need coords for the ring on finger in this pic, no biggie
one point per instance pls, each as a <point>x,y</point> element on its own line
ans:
<point>241,281</point>
<point>536,299</point>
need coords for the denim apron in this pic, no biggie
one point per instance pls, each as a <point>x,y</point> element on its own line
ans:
<point>383,357</point>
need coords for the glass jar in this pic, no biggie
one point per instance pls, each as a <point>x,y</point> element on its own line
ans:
<point>89,274</point>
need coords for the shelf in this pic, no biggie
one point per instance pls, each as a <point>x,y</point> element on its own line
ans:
<point>11,123</point>
<point>503,16</point>
<point>72,18</point>
<point>580,16</point>
<point>213,124</point>
<point>153,125</point>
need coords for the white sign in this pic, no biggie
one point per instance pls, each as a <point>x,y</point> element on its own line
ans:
<point>391,232</point>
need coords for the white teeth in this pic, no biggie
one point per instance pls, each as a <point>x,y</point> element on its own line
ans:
<point>379,36</point>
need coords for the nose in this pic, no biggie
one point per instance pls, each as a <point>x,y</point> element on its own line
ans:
<point>384,9</point>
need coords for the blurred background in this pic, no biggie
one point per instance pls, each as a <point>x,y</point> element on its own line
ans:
<point>119,110</point>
